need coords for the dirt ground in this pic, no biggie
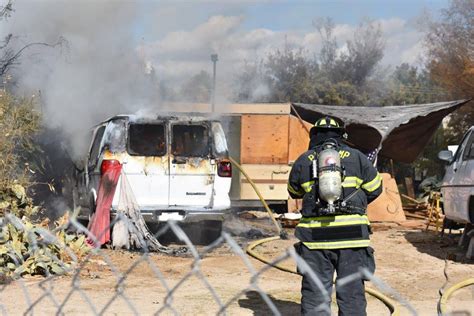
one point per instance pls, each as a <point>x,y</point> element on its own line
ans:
<point>409,260</point>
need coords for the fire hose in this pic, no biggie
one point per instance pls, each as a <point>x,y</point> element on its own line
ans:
<point>447,294</point>
<point>394,310</point>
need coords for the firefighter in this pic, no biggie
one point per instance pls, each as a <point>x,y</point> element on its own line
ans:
<point>336,182</point>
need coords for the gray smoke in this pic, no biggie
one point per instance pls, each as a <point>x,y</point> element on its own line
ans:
<point>95,73</point>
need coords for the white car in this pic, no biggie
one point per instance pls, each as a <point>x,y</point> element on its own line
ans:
<point>177,167</point>
<point>457,187</point>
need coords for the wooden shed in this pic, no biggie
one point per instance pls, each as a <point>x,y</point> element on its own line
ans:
<point>265,139</point>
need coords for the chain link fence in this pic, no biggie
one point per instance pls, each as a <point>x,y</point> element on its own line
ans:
<point>63,281</point>
<point>75,279</point>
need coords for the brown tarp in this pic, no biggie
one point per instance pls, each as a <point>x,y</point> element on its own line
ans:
<point>402,131</point>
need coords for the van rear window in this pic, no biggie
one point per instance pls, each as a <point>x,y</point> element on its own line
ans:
<point>147,139</point>
<point>190,141</point>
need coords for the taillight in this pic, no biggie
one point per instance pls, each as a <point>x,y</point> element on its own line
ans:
<point>224,169</point>
<point>108,164</point>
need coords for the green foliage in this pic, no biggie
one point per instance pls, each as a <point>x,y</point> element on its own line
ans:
<point>30,249</point>
<point>290,75</point>
<point>410,85</point>
<point>26,247</point>
<point>334,78</point>
<point>14,200</point>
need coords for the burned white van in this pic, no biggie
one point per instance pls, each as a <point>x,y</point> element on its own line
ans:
<point>177,166</point>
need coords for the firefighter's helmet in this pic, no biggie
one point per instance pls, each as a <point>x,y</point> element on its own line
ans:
<point>328,123</point>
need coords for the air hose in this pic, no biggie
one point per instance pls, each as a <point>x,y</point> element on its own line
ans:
<point>447,294</point>
<point>394,310</point>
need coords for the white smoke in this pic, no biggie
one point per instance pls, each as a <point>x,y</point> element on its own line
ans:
<point>96,73</point>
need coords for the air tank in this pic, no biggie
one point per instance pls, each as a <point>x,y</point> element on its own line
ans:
<point>329,174</point>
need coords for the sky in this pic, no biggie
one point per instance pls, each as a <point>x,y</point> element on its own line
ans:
<point>177,37</point>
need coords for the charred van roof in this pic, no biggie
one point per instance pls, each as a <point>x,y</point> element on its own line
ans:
<point>187,117</point>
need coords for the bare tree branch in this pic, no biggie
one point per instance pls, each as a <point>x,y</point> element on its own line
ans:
<point>6,9</point>
<point>10,57</point>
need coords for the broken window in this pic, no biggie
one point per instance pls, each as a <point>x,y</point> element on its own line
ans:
<point>220,143</point>
<point>114,137</point>
<point>190,141</point>
<point>147,139</point>
<point>95,149</point>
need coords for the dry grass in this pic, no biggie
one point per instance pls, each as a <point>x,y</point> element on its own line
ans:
<point>19,122</point>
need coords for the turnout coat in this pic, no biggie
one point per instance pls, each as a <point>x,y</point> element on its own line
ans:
<point>361,185</point>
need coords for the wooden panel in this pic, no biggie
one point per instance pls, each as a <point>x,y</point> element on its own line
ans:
<point>388,206</point>
<point>271,180</point>
<point>269,191</point>
<point>264,139</point>
<point>231,108</point>
<point>299,138</point>
<point>267,172</point>
<point>258,108</point>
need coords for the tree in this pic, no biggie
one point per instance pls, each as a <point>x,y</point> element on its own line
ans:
<point>10,56</point>
<point>364,53</point>
<point>410,85</point>
<point>290,75</point>
<point>450,46</point>
<point>5,53</point>
<point>361,57</point>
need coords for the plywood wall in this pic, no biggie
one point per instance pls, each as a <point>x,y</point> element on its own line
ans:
<point>298,138</point>
<point>264,139</point>
<point>271,181</point>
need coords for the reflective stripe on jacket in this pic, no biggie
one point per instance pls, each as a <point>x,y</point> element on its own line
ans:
<point>334,232</point>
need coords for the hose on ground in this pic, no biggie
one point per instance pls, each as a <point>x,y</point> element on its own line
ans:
<point>394,310</point>
<point>447,294</point>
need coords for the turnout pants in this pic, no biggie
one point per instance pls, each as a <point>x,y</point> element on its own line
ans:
<point>350,296</point>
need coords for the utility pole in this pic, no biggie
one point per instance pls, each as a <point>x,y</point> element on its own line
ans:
<point>213,96</point>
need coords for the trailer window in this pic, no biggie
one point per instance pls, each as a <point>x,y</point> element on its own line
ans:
<point>190,141</point>
<point>147,140</point>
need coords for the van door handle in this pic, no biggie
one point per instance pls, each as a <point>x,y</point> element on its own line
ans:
<point>178,161</point>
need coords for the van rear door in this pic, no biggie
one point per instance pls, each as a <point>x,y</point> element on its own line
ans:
<point>147,168</point>
<point>192,170</point>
